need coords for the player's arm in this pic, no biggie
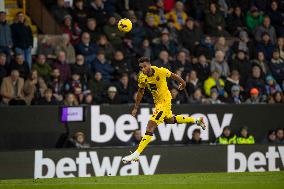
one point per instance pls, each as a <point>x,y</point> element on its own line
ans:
<point>138,99</point>
<point>177,78</point>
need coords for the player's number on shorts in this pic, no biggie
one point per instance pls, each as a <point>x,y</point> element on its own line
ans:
<point>152,87</point>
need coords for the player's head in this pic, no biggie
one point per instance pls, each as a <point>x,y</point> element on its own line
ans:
<point>144,65</point>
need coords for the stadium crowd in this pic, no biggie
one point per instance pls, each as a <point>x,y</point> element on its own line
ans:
<point>227,51</point>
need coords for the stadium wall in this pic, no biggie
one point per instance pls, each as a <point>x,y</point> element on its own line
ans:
<point>39,126</point>
<point>157,160</point>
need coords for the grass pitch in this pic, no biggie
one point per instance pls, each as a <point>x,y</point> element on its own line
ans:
<point>265,180</point>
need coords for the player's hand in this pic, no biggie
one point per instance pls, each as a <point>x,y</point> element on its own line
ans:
<point>134,112</point>
<point>181,86</point>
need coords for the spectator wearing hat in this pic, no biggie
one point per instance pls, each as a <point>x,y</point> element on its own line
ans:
<point>22,38</point>
<point>102,65</point>
<point>272,86</point>
<point>191,35</point>
<point>66,46</point>
<point>233,79</point>
<point>6,41</point>
<point>261,62</point>
<point>215,22</point>
<point>60,10</point>
<point>265,46</point>
<point>242,65</point>
<point>214,81</point>
<point>277,66</point>
<point>202,68</point>
<point>266,27</point>
<point>270,137</point>
<point>42,67</point>
<point>244,137</point>
<point>227,137</point>
<point>112,96</point>
<point>254,97</point>
<point>220,64</point>
<point>63,67</point>
<point>3,67</point>
<point>93,30</point>
<point>87,48</point>
<point>72,29</point>
<point>81,68</point>
<point>253,18</point>
<point>113,34</point>
<point>256,80</point>
<point>178,15</point>
<point>235,95</point>
<point>277,18</point>
<point>97,86</point>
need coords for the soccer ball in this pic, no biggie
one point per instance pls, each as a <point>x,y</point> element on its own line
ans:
<point>124,25</point>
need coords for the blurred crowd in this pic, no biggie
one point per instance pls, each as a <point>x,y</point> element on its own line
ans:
<point>227,51</point>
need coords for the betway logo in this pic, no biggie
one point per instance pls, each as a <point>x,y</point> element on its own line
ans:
<point>256,161</point>
<point>126,123</point>
<point>78,166</point>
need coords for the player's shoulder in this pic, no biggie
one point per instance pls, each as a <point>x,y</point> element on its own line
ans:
<point>141,77</point>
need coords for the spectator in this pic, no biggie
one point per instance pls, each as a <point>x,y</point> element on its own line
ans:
<point>253,18</point>
<point>68,48</point>
<point>3,67</point>
<point>177,98</point>
<point>244,44</point>
<point>137,33</point>
<point>220,64</point>
<point>102,65</point>
<point>113,34</point>
<point>227,137</point>
<point>242,65</point>
<point>93,30</point>
<point>136,138</point>
<point>112,97</point>
<point>277,66</point>
<point>46,48</point>
<point>214,97</point>
<point>270,138</point>
<point>42,67</point>
<point>254,97</point>
<point>280,135</point>
<point>202,68</point>
<point>266,27</point>
<point>81,68</point>
<point>196,97</point>
<point>120,64</point>
<point>72,29</point>
<point>47,99</point>
<point>60,10</point>
<point>182,63</point>
<point>221,45</point>
<point>70,100</point>
<point>56,84</point>
<point>125,90</point>
<point>99,11</point>
<point>192,82</point>
<point>277,18</point>
<point>145,49</point>
<point>214,81</point>
<point>87,48</point>
<point>265,46</point>
<point>195,138</point>
<point>271,86</point>
<point>89,100</point>
<point>215,22</point>
<point>74,83</point>
<point>244,137</point>
<point>236,21</point>
<point>235,96</point>
<point>190,35</point>
<point>20,65</point>
<point>12,89</point>
<point>206,48</point>
<point>105,46</point>
<point>97,86</point>
<point>80,13</point>
<point>163,60</point>
<point>22,38</point>
<point>152,30</point>
<point>178,15</point>
<point>6,41</point>
<point>256,80</point>
<point>280,46</point>
<point>78,141</point>
<point>63,66</point>
<point>261,62</point>
<point>278,98</point>
<point>234,79</point>
<point>166,44</point>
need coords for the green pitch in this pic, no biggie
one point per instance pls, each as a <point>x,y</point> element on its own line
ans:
<point>267,180</point>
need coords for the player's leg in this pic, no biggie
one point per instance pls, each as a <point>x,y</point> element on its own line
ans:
<point>185,119</point>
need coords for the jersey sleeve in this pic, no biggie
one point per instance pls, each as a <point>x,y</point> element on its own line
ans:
<point>166,72</point>
<point>142,81</point>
